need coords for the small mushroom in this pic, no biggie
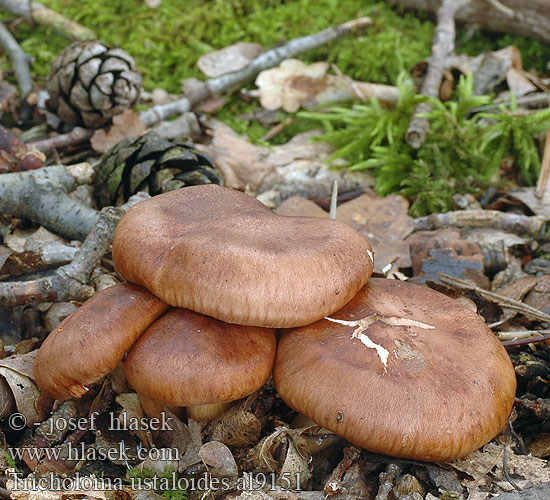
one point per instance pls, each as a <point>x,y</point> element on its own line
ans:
<point>92,341</point>
<point>400,370</point>
<point>222,253</point>
<point>187,359</point>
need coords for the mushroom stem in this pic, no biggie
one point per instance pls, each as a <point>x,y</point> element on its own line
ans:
<point>155,409</point>
<point>208,412</point>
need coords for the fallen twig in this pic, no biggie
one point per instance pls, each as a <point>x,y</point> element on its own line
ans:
<point>530,18</point>
<point>75,136</point>
<point>501,300</point>
<point>48,17</point>
<point>538,100</point>
<point>530,340</point>
<point>443,45</point>
<point>20,60</point>
<point>264,61</point>
<point>519,224</point>
<point>41,196</point>
<point>70,282</point>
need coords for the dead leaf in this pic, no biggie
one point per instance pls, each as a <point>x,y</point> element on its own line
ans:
<point>447,261</point>
<point>422,242</point>
<point>219,458</point>
<point>235,427</point>
<point>537,205</point>
<point>384,222</point>
<point>131,410</point>
<point>294,84</point>
<point>18,372</point>
<point>486,466</point>
<point>126,124</point>
<point>229,59</point>
<point>274,174</point>
<point>492,68</point>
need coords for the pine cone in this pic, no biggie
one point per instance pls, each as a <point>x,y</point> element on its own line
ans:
<point>152,164</point>
<point>91,82</point>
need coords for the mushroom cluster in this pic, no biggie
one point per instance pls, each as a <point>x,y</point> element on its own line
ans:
<point>393,367</point>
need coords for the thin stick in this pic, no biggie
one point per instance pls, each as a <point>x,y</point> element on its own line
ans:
<point>545,168</point>
<point>443,45</point>
<point>47,17</point>
<point>269,59</point>
<point>20,60</point>
<point>501,300</point>
<point>521,334</point>
<point>532,340</point>
<point>334,199</point>
<point>75,136</point>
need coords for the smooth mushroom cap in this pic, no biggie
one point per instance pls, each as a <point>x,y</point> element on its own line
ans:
<point>187,359</point>
<point>224,254</point>
<point>92,341</point>
<point>444,392</point>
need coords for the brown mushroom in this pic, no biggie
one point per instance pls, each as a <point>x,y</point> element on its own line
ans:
<point>92,341</point>
<point>187,359</point>
<point>400,370</point>
<point>222,253</point>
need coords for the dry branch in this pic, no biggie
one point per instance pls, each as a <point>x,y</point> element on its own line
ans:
<point>75,136</point>
<point>531,18</point>
<point>48,17</point>
<point>269,59</point>
<point>443,45</point>
<point>20,60</point>
<point>515,223</point>
<point>41,196</point>
<point>70,282</point>
<point>516,305</point>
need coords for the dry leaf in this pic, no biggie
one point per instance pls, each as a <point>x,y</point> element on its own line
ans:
<point>131,410</point>
<point>294,84</point>
<point>235,427</point>
<point>126,124</point>
<point>229,59</point>
<point>18,372</point>
<point>384,222</point>
<point>537,205</point>
<point>219,458</point>
<point>274,174</point>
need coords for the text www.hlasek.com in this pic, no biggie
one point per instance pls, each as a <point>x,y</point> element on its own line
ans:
<point>82,452</point>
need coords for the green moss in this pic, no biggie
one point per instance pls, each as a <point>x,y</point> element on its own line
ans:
<point>166,42</point>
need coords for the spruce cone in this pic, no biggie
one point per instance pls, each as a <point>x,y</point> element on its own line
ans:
<point>90,83</point>
<point>152,164</point>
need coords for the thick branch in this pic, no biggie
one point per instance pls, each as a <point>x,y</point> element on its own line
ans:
<point>70,282</point>
<point>530,18</point>
<point>443,45</point>
<point>41,195</point>
<point>20,60</point>
<point>515,223</point>
<point>47,17</point>
<point>266,60</point>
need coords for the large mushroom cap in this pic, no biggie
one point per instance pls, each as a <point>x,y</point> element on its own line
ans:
<point>188,359</point>
<point>426,380</point>
<point>222,253</point>
<point>91,342</point>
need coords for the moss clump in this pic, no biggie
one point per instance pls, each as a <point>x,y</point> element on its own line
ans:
<point>167,41</point>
